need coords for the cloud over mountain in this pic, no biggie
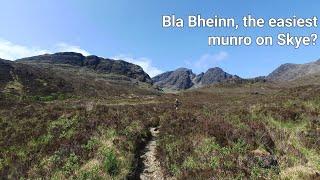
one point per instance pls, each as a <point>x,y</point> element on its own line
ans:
<point>207,60</point>
<point>145,63</point>
<point>12,51</point>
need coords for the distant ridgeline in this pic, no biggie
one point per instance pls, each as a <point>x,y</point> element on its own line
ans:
<point>184,78</point>
<point>96,63</point>
<point>180,79</point>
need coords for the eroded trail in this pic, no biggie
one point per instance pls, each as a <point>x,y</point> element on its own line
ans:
<point>151,165</point>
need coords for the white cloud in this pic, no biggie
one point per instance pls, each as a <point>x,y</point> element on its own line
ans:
<point>145,63</point>
<point>64,47</point>
<point>207,61</point>
<point>12,51</point>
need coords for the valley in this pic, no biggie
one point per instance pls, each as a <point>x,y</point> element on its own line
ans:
<point>62,121</point>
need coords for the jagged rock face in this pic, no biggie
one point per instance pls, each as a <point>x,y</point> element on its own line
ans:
<point>162,77</point>
<point>289,72</point>
<point>178,79</point>
<point>75,59</point>
<point>214,75</point>
<point>184,78</point>
<point>93,62</point>
<point>198,78</point>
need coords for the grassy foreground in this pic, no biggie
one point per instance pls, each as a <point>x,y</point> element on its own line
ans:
<point>246,131</point>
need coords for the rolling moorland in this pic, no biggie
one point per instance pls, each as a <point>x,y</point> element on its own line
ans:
<point>66,116</point>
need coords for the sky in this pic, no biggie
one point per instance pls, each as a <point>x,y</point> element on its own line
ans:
<point>132,31</point>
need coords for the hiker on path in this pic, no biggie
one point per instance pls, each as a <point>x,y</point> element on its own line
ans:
<point>177,103</point>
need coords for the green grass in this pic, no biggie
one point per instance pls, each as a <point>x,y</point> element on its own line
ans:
<point>110,162</point>
<point>214,134</point>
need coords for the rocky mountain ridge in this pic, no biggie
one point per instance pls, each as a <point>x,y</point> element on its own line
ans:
<point>72,73</point>
<point>290,71</point>
<point>98,64</point>
<point>183,78</point>
<point>179,79</point>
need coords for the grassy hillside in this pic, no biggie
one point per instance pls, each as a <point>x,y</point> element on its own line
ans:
<point>246,131</point>
<point>77,124</point>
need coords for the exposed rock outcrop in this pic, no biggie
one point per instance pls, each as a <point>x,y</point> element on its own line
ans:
<point>96,63</point>
<point>215,75</point>
<point>289,71</point>
<point>183,78</point>
<point>178,79</point>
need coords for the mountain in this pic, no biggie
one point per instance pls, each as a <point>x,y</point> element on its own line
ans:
<point>71,120</point>
<point>95,63</point>
<point>74,74</point>
<point>183,78</point>
<point>289,71</point>
<point>17,78</point>
<point>215,75</point>
<point>176,80</point>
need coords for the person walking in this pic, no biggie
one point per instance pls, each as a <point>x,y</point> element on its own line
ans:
<point>177,103</point>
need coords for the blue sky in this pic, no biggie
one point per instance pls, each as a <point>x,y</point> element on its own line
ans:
<point>132,30</point>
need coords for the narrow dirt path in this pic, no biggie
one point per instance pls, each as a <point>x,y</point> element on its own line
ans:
<point>151,165</point>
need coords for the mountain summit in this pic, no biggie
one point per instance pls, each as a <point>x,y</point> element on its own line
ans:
<point>72,73</point>
<point>289,71</point>
<point>184,78</point>
<point>95,63</point>
<point>179,79</point>
<point>215,75</point>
